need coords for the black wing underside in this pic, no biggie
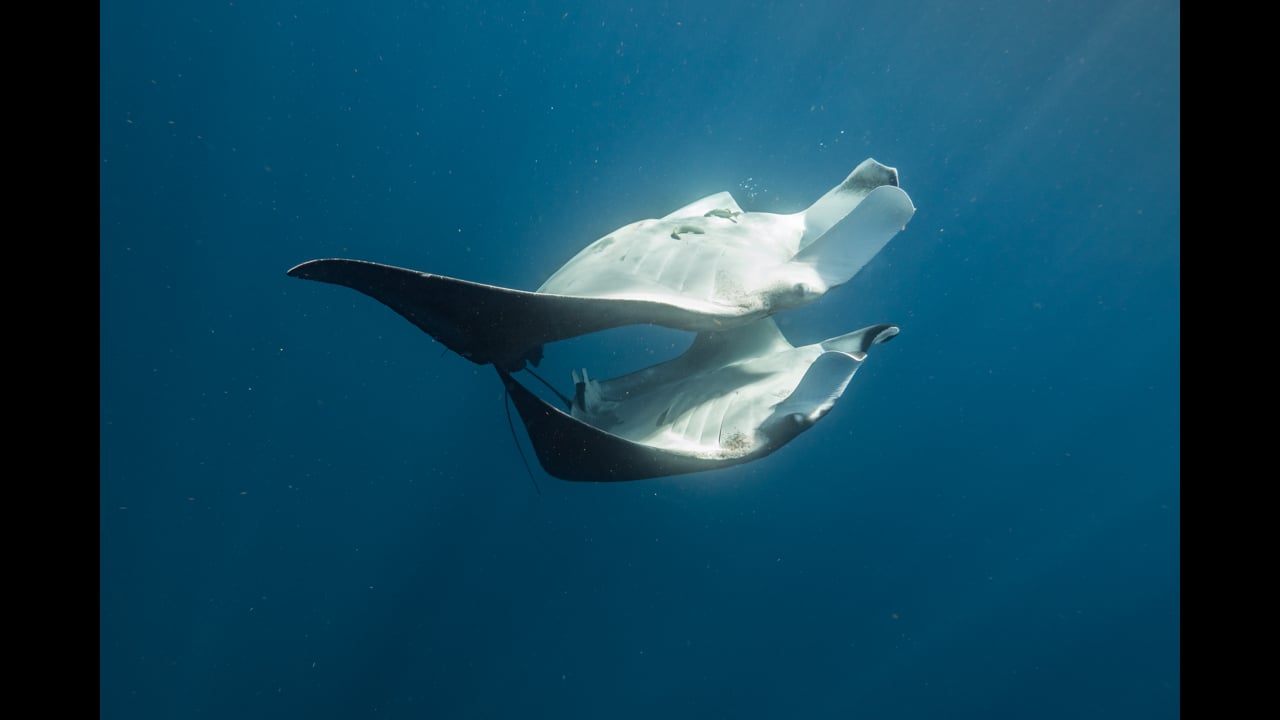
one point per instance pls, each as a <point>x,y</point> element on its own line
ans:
<point>487,323</point>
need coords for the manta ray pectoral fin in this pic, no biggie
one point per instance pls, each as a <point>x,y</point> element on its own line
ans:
<point>482,323</point>
<point>488,323</point>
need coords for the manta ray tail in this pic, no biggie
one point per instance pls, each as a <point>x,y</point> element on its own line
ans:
<point>506,403</point>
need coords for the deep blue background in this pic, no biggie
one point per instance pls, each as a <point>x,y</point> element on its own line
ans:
<point>308,511</point>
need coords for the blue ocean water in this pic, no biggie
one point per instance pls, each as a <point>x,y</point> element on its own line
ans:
<point>308,509</point>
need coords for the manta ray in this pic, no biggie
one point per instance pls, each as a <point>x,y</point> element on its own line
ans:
<point>739,393</point>
<point>734,396</point>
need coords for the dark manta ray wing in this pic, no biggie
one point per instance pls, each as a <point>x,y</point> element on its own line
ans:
<point>488,323</point>
<point>570,449</point>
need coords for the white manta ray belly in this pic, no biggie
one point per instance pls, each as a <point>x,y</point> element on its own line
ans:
<point>710,258</point>
<point>706,263</point>
<point>731,395</point>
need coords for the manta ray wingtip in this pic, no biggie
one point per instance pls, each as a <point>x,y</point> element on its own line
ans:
<point>304,269</point>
